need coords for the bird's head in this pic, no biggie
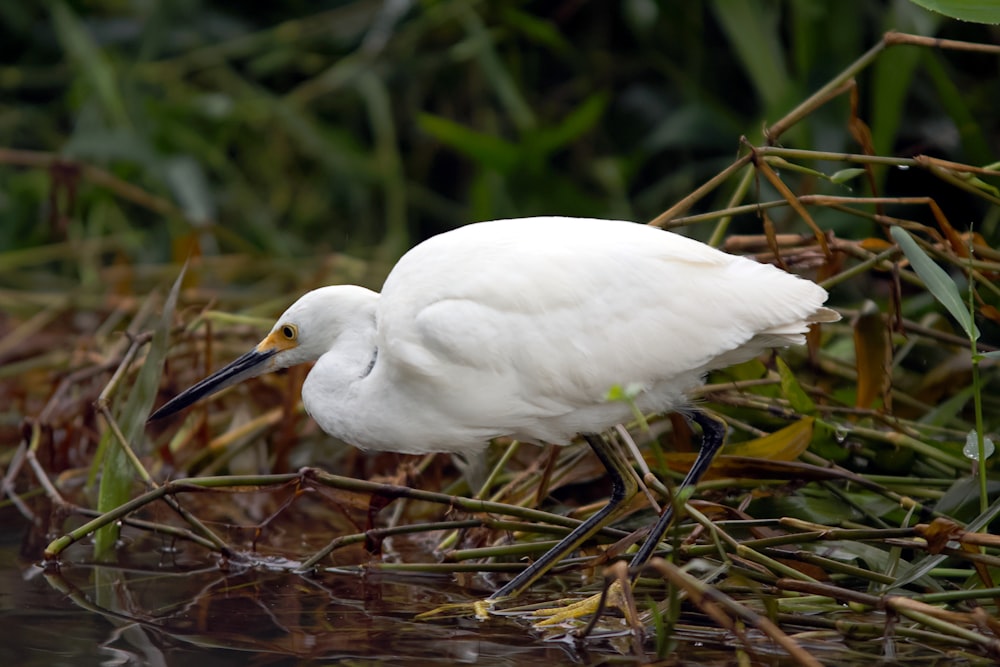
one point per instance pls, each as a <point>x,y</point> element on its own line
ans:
<point>303,333</point>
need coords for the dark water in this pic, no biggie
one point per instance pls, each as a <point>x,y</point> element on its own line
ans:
<point>163,608</point>
<point>164,605</point>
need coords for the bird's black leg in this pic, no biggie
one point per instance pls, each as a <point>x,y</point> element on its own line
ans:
<point>712,433</point>
<point>623,487</point>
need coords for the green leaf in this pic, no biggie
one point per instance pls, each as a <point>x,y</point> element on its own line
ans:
<point>937,281</point>
<point>826,510</point>
<point>90,60</point>
<point>827,442</point>
<point>977,11</point>
<point>494,69</point>
<point>584,117</point>
<point>114,490</point>
<point>754,31</point>
<point>975,144</point>
<point>628,394</point>
<point>845,175</point>
<point>487,150</point>
<point>538,30</point>
<point>948,409</point>
<point>995,354</point>
<point>793,391</point>
<point>893,74</point>
<point>961,499</point>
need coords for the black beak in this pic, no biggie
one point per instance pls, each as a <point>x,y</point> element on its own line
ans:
<point>250,365</point>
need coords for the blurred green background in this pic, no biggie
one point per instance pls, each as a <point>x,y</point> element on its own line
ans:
<point>296,129</point>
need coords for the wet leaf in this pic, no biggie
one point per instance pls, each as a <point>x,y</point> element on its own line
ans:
<point>828,443</point>
<point>971,449</point>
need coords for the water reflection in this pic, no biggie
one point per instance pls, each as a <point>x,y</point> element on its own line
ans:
<point>165,603</point>
<point>333,617</point>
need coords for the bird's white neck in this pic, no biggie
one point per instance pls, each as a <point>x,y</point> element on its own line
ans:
<point>332,390</point>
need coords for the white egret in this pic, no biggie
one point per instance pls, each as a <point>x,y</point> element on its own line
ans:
<point>520,328</point>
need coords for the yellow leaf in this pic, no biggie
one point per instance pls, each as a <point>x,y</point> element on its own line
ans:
<point>875,244</point>
<point>872,354</point>
<point>784,445</point>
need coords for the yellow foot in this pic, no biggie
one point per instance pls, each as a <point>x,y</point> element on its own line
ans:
<point>482,609</point>
<point>615,597</point>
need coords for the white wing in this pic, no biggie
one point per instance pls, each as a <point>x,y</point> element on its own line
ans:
<point>521,327</point>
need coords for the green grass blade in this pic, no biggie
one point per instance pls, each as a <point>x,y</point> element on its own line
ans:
<point>937,281</point>
<point>87,56</point>
<point>753,30</point>
<point>486,149</point>
<point>117,474</point>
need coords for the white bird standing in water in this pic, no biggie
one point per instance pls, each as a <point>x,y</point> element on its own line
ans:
<point>520,328</point>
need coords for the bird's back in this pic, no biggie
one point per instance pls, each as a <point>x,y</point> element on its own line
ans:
<point>521,327</point>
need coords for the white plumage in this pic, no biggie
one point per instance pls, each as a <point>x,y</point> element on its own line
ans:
<point>521,327</point>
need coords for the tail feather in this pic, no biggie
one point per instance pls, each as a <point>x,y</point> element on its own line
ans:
<point>824,315</point>
<point>801,326</point>
<point>785,335</point>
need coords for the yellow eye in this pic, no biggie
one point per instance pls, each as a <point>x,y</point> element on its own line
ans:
<point>289,331</point>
